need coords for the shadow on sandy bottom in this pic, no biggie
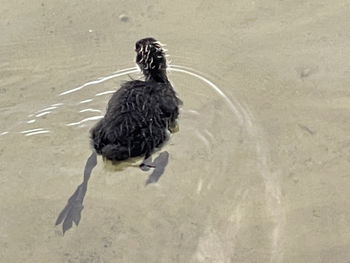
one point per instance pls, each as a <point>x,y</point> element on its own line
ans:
<point>72,211</point>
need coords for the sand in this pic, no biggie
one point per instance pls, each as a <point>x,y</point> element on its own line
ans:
<point>259,170</point>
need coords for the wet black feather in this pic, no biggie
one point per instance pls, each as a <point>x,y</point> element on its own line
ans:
<point>140,113</point>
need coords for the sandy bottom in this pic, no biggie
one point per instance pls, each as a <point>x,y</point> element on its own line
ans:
<point>259,170</point>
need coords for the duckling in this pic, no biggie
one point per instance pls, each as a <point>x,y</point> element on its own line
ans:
<point>141,113</point>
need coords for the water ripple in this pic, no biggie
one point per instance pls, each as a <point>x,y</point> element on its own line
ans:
<point>36,133</point>
<point>102,79</point>
<point>47,109</point>
<point>85,120</point>
<point>32,130</point>
<point>198,75</point>
<point>43,113</point>
<point>85,101</point>
<point>90,110</point>
<point>3,133</point>
<point>105,92</point>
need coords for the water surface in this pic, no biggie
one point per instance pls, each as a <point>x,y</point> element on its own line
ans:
<point>258,171</point>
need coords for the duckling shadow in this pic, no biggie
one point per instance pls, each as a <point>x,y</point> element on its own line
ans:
<point>158,164</point>
<point>72,211</point>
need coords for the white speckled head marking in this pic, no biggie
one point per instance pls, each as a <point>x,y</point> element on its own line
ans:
<point>150,57</point>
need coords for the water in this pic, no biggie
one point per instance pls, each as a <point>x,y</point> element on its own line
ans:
<point>257,172</point>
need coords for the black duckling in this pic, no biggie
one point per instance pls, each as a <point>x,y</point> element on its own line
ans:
<point>140,114</point>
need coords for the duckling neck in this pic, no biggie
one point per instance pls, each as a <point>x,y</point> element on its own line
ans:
<point>158,76</point>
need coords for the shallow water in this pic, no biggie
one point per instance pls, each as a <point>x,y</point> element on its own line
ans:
<point>258,171</point>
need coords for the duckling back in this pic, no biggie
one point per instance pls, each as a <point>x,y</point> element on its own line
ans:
<point>137,120</point>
